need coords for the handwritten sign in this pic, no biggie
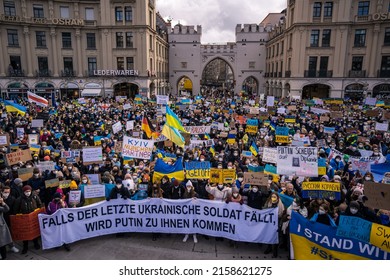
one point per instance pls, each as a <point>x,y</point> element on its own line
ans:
<point>197,170</point>
<point>300,161</point>
<point>378,195</point>
<point>256,179</point>
<point>52,183</point>
<point>4,140</point>
<point>92,155</point>
<point>37,123</point>
<point>19,156</point>
<point>94,191</point>
<point>354,227</point>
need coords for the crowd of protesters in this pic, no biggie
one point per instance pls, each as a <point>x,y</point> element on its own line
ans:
<point>72,125</point>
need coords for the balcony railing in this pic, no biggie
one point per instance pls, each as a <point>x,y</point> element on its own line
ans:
<point>16,73</point>
<point>43,73</point>
<point>357,73</point>
<point>383,74</point>
<point>287,74</point>
<point>318,74</point>
<point>280,74</point>
<point>68,73</point>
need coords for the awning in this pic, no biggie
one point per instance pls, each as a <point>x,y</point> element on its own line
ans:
<point>91,92</point>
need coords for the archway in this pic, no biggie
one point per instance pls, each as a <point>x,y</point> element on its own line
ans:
<point>381,91</point>
<point>250,86</point>
<point>126,89</point>
<point>354,92</point>
<point>152,89</point>
<point>287,89</point>
<point>69,90</point>
<point>184,86</point>
<point>315,90</point>
<point>44,89</point>
<point>16,90</point>
<point>218,76</point>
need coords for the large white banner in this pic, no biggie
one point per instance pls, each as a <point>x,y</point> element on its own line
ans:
<point>137,148</point>
<point>372,159</point>
<point>300,161</point>
<point>270,155</point>
<point>197,129</point>
<point>213,218</point>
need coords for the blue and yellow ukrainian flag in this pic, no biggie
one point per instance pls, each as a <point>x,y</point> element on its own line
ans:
<point>173,134</point>
<point>253,148</point>
<point>15,107</point>
<point>173,120</point>
<point>206,136</point>
<point>212,150</point>
<point>172,171</point>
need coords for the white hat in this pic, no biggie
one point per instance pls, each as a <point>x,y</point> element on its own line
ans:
<point>189,183</point>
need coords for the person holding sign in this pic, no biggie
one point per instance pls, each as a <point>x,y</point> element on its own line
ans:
<point>27,204</point>
<point>75,197</point>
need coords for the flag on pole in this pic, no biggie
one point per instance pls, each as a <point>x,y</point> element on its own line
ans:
<point>253,148</point>
<point>147,127</point>
<point>173,134</point>
<point>38,100</point>
<point>173,120</point>
<point>14,107</point>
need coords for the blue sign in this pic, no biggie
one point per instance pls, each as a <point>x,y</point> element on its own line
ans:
<point>281,130</point>
<point>354,227</point>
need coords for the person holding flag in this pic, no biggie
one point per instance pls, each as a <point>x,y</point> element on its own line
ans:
<point>253,148</point>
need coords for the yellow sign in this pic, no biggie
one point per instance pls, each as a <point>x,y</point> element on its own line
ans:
<point>251,129</point>
<point>380,237</point>
<point>282,139</point>
<point>226,176</point>
<point>321,186</point>
<point>321,170</point>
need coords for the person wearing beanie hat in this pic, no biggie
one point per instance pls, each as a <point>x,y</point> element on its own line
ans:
<point>129,183</point>
<point>75,197</point>
<point>16,188</point>
<point>26,204</point>
<point>46,158</point>
<point>177,191</point>
<point>118,191</point>
<point>38,186</point>
<point>353,209</point>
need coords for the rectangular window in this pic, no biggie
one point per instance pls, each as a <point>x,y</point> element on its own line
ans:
<point>252,64</point>
<point>312,63</point>
<point>9,8</point>
<point>363,8</point>
<point>119,39</point>
<point>89,14</point>
<point>387,37</point>
<point>326,37</point>
<point>328,9</point>
<point>41,39</point>
<point>360,38</point>
<point>385,64</point>
<point>128,13</point>
<point>92,64</point>
<point>357,63</point>
<point>43,66</point>
<point>66,40</point>
<point>64,12</point>
<point>129,39</point>
<point>130,63</point>
<point>38,11</point>
<point>15,68</point>
<point>317,9</point>
<point>184,65</point>
<point>151,42</point>
<point>120,63</point>
<point>314,38</point>
<point>68,65</point>
<point>91,41</point>
<point>13,39</point>
<point>118,14</point>
<point>324,63</point>
<point>282,48</point>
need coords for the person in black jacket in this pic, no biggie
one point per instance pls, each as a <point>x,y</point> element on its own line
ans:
<point>255,197</point>
<point>177,190</point>
<point>119,191</point>
<point>166,186</point>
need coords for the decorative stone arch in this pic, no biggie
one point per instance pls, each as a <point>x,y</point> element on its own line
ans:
<point>128,89</point>
<point>215,58</point>
<point>381,90</point>
<point>316,89</point>
<point>251,85</point>
<point>286,89</point>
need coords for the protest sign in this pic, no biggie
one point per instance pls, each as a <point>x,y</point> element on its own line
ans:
<point>53,183</point>
<point>282,134</point>
<point>251,126</point>
<point>26,226</point>
<point>37,123</point>
<point>46,166</point>
<point>197,170</point>
<point>378,195</point>
<point>362,166</point>
<point>64,184</point>
<point>33,139</point>
<point>137,148</point>
<point>379,236</point>
<point>270,155</point>
<point>74,197</point>
<point>198,129</point>
<point>201,143</point>
<point>226,176</point>
<point>19,132</point>
<point>372,113</point>
<point>212,218</point>
<point>256,179</point>
<point>162,99</point>
<point>247,154</point>
<point>270,101</point>
<point>329,130</point>
<point>324,119</point>
<point>92,155</point>
<point>19,156</point>
<point>94,178</point>
<point>336,115</point>
<point>25,173</point>
<point>4,140</point>
<point>324,190</point>
<point>300,161</point>
<point>94,191</point>
<point>381,126</point>
<point>326,245</point>
<point>354,227</point>
<point>371,101</point>
<point>116,127</point>
<point>129,125</point>
<point>126,106</point>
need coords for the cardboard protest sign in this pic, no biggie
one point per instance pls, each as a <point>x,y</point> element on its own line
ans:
<point>299,161</point>
<point>4,140</point>
<point>372,113</point>
<point>336,115</point>
<point>256,179</point>
<point>25,173</point>
<point>354,227</point>
<point>137,148</point>
<point>64,184</point>
<point>19,156</point>
<point>324,119</point>
<point>92,155</point>
<point>33,139</point>
<point>378,195</point>
<point>197,170</point>
<point>198,129</point>
<point>26,226</point>
<point>53,183</point>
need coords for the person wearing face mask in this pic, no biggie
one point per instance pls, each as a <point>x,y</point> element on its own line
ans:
<point>323,216</point>
<point>27,204</point>
<point>119,191</point>
<point>4,175</point>
<point>368,177</point>
<point>274,201</point>
<point>337,163</point>
<point>253,196</point>
<point>177,191</point>
<point>116,173</point>
<point>38,185</point>
<point>166,186</point>
<point>5,235</point>
<point>75,197</point>
<point>384,217</point>
<point>16,188</point>
<point>10,201</point>
<point>219,192</point>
